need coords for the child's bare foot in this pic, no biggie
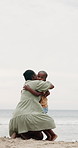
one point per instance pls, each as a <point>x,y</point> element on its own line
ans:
<point>49,138</point>
<point>13,136</point>
<point>54,137</point>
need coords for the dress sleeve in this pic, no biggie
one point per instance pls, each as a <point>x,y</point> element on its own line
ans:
<point>43,86</point>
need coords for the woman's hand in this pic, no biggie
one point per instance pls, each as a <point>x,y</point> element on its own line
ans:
<point>26,87</point>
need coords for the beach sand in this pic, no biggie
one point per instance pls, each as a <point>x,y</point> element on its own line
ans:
<point>19,143</point>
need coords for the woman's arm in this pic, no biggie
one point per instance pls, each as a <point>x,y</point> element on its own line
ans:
<point>26,87</point>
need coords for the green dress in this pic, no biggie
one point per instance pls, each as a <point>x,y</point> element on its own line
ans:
<point>29,115</point>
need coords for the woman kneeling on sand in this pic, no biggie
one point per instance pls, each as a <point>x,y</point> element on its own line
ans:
<point>29,120</point>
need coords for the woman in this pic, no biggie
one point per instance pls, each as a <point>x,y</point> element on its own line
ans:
<point>29,119</point>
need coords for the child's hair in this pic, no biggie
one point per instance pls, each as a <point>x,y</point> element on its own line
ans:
<point>43,73</point>
<point>28,74</point>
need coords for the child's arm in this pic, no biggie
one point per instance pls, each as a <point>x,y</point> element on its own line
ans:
<point>46,93</point>
<point>26,87</point>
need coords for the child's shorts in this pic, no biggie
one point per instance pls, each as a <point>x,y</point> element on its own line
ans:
<point>45,110</point>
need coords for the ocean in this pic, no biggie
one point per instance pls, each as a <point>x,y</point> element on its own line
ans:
<point>66,124</point>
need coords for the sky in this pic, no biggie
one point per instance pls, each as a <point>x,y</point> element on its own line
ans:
<point>39,35</point>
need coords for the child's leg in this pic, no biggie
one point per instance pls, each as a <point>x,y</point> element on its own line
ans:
<point>54,136</point>
<point>50,135</point>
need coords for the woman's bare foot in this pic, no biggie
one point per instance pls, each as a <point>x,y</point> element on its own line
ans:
<point>24,136</point>
<point>13,135</point>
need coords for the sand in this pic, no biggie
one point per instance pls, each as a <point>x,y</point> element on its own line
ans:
<point>19,143</point>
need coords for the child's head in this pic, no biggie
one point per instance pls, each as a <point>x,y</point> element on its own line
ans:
<point>42,75</point>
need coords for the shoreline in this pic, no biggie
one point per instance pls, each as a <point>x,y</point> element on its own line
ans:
<point>6,142</point>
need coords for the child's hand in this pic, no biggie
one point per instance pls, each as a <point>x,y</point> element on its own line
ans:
<point>47,93</point>
<point>26,87</point>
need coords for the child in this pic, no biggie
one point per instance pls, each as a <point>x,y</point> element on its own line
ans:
<point>42,75</point>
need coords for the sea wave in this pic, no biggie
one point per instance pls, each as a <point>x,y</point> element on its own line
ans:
<point>67,122</point>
